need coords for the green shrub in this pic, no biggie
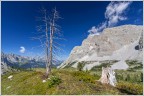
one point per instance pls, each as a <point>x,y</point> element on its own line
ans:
<point>85,77</point>
<point>133,76</point>
<point>128,78</point>
<point>134,65</point>
<point>80,66</point>
<point>54,80</point>
<point>130,88</point>
<point>69,65</point>
<point>141,75</point>
<point>99,67</point>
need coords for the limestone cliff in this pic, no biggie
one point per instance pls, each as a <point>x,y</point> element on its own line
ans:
<point>118,43</point>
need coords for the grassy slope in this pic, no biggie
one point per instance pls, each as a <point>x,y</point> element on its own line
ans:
<point>73,82</point>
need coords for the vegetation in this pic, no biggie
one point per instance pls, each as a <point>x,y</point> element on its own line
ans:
<point>64,82</point>
<point>54,80</point>
<point>133,77</point>
<point>130,88</point>
<point>69,65</point>
<point>99,67</point>
<point>134,65</point>
<point>80,66</point>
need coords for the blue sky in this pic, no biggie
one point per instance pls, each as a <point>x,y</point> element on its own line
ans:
<point>19,22</point>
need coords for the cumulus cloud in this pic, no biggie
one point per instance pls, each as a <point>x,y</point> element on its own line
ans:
<point>95,30</point>
<point>114,13</point>
<point>22,49</point>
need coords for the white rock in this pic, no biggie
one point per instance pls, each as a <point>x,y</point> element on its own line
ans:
<point>8,87</point>
<point>91,47</point>
<point>44,81</point>
<point>10,77</point>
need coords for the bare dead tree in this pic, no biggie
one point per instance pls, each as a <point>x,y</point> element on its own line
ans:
<point>53,30</point>
<point>48,30</point>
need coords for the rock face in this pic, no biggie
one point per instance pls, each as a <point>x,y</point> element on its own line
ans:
<point>118,43</point>
<point>4,68</point>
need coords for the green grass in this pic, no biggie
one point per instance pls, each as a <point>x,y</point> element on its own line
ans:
<point>130,76</point>
<point>134,65</point>
<point>130,88</point>
<point>62,82</point>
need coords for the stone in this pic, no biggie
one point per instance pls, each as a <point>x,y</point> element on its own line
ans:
<point>10,77</point>
<point>44,81</point>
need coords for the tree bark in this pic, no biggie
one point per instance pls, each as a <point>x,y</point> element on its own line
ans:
<point>108,76</point>
<point>46,45</point>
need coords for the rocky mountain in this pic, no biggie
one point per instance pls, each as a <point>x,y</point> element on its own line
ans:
<point>14,60</point>
<point>9,61</point>
<point>114,45</point>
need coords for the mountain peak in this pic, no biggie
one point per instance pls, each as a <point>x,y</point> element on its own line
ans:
<point>117,43</point>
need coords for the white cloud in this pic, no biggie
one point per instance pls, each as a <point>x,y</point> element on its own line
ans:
<point>93,30</point>
<point>102,26</point>
<point>22,49</point>
<point>97,30</point>
<point>113,14</point>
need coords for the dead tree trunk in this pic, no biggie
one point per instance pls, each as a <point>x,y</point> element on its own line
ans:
<point>105,76</point>
<point>53,30</point>
<point>48,29</point>
<point>108,76</point>
<point>46,45</point>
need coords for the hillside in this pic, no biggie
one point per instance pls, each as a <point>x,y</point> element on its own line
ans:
<point>63,82</point>
<point>114,45</point>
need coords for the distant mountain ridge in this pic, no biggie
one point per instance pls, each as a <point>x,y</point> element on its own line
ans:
<point>118,43</point>
<point>9,61</point>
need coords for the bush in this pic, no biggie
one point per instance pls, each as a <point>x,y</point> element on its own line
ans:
<point>99,67</point>
<point>85,77</point>
<point>69,65</point>
<point>80,66</point>
<point>130,88</point>
<point>54,80</point>
<point>128,78</point>
<point>141,75</point>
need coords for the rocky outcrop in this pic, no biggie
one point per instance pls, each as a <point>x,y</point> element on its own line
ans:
<point>117,43</point>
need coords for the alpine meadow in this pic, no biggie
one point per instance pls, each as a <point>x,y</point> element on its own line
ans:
<point>71,47</point>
